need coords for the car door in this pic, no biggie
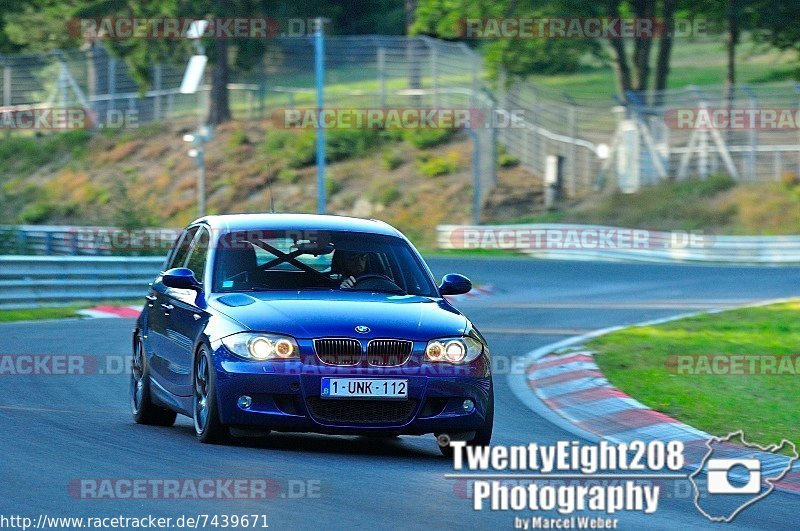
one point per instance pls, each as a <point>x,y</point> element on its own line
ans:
<point>157,344</point>
<point>185,317</point>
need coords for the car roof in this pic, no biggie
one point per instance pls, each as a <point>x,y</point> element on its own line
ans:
<point>296,222</point>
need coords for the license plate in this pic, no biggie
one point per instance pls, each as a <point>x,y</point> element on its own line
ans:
<point>363,388</point>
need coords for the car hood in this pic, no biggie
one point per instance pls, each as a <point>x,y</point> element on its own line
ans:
<point>307,315</point>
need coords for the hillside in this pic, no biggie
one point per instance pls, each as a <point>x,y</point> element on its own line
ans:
<point>413,179</point>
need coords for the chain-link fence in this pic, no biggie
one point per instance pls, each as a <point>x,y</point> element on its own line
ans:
<point>360,72</point>
<point>581,142</point>
<point>750,132</point>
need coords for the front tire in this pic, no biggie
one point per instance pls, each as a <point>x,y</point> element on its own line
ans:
<point>144,410</point>
<point>205,411</point>
<point>483,435</point>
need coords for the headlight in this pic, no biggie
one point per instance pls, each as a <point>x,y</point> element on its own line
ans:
<point>453,349</point>
<point>262,347</point>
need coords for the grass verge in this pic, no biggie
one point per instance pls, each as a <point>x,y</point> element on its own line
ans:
<point>59,312</point>
<point>765,407</point>
<point>35,314</point>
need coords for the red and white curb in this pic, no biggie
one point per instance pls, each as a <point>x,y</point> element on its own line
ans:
<point>111,312</point>
<point>476,293</point>
<point>562,383</point>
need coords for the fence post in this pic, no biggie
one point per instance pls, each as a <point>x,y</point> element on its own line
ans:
<point>703,149</point>
<point>573,134</point>
<point>477,192</point>
<point>435,76</point>
<point>62,84</point>
<point>475,84</point>
<point>91,74</point>
<point>752,137</point>
<point>262,88</point>
<point>157,88</point>
<point>112,82</point>
<point>382,75</point>
<point>6,86</point>
<point>503,92</point>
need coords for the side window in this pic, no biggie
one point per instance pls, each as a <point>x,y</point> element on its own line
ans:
<point>182,248</point>
<point>197,258</point>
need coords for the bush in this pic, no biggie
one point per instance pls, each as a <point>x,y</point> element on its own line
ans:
<point>506,159</point>
<point>348,143</point>
<point>431,166</point>
<point>301,150</point>
<point>238,138</point>
<point>276,140</point>
<point>427,138</point>
<point>389,195</point>
<point>332,187</point>
<point>37,213</point>
<point>391,160</point>
<point>288,176</point>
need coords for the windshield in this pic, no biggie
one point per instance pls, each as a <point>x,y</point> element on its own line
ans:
<point>310,260</point>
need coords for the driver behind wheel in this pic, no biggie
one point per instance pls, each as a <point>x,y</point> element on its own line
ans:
<point>350,265</point>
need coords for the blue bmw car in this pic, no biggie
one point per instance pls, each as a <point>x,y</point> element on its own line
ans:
<point>307,323</point>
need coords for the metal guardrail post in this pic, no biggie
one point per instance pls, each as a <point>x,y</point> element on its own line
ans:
<point>22,244</point>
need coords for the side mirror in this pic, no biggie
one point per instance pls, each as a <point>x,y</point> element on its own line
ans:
<point>181,278</point>
<point>454,284</point>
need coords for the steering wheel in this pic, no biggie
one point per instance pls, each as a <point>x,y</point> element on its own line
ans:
<point>378,281</point>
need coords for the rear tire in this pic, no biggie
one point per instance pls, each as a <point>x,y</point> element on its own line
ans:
<point>205,411</point>
<point>483,435</point>
<point>144,410</point>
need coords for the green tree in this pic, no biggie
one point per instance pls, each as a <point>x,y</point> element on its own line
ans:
<point>635,69</point>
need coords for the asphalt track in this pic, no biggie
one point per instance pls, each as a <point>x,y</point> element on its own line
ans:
<point>56,429</point>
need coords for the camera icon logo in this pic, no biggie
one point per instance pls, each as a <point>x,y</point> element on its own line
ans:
<point>724,476</point>
<point>738,474</point>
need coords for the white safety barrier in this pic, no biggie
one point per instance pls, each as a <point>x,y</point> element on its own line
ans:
<point>591,242</point>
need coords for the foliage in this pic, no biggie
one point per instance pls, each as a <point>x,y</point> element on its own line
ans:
<point>391,159</point>
<point>505,159</point>
<point>428,138</point>
<point>434,166</point>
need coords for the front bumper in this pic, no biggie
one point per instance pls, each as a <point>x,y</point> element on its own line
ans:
<point>286,396</point>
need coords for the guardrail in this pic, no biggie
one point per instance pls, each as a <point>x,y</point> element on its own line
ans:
<point>41,280</point>
<point>591,242</point>
<point>88,241</point>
